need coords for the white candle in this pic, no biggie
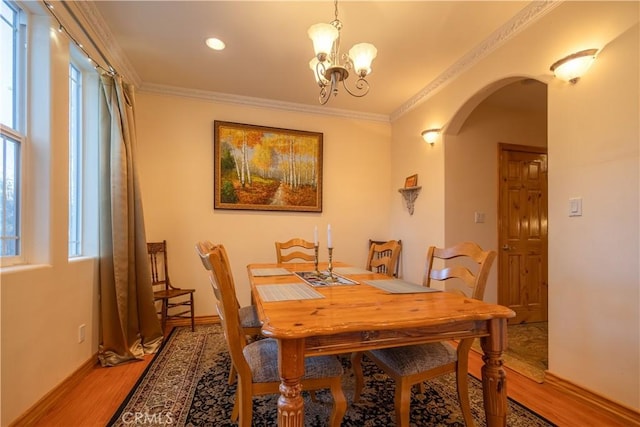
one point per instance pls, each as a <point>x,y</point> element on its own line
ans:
<point>315,236</point>
<point>329,243</point>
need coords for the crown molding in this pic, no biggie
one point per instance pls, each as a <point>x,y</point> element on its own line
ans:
<point>260,102</point>
<point>91,19</point>
<point>531,13</point>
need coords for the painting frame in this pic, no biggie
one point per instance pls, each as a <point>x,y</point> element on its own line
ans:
<point>266,168</point>
<point>411,181</point>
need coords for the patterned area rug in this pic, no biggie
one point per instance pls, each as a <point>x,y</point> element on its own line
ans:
<point>526,349</point>
<point>186,385</point>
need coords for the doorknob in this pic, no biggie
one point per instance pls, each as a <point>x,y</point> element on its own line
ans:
<point>506,247</point>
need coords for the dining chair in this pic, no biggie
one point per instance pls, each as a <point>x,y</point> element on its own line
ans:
<point>414,364</point>
<point>384,257</point>
<point>163,290</point>
<point>249,320</point>
<point>295,249</point>
<point>257,362</point>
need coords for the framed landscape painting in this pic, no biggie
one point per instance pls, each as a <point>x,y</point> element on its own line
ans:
<point>265,168</point>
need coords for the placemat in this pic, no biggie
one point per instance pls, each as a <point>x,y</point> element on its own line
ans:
<point>263,272</point>
<point>351,270</point>
<point>287,292</point>
<point>398,286</point>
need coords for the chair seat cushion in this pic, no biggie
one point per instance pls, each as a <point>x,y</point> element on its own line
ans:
<point>249,317</point>
<point>412,359</point>
<point>262,357</point>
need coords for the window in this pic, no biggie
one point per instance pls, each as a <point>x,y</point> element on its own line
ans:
<point>12,119</point>
<point>84,103</point>
<point>75,161</point>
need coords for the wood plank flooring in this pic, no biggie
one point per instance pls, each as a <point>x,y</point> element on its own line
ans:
<point>96,398</point>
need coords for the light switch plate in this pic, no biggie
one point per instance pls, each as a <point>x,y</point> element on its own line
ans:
<point>575,206</point>
<point>478,217</point>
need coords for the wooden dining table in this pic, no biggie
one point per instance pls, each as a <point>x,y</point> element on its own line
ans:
<point>342,318</point>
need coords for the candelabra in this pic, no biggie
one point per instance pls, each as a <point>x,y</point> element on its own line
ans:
<point>331,278</point>
<point>315,262</point>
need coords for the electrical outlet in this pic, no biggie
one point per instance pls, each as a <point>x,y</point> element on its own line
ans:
<point>81,333</point>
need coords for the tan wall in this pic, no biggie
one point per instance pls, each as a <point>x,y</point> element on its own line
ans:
<point>175,147</point>
<point>594,295</point>
<point>593,152</point>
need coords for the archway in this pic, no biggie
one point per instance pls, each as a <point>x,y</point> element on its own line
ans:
<point>507,114</point>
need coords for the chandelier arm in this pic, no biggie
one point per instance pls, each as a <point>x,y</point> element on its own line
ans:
<point>324,95</point>
<point>320,71</point>
<point>361,87</point>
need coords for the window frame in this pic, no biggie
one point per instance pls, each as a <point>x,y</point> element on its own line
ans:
<point>16,131</point>
<point>76,159</point>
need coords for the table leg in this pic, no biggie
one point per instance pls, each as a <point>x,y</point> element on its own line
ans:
<point>494,380</point>
<point>291,366</point>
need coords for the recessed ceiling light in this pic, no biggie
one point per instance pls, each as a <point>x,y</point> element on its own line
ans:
<point>215,44</point>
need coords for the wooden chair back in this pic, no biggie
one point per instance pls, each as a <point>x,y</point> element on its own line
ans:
<point>249,321</point>
<point>295,249</point>
<point>466,255</point>
<point>159,265</point>
<point>204,249</point>
<point>384,257</point>
<point>224,288</point>
<point>172,297</point>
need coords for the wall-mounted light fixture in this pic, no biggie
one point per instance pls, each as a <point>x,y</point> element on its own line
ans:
<point>430,135</point>
<point>572,67</point>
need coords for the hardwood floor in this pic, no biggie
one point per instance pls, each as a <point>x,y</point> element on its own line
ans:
<point>93,401</point>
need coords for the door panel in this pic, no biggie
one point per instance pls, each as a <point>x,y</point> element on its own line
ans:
<point>522,261</point>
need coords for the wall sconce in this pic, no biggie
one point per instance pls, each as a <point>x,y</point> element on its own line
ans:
<point>430,135</point>
<point>572,67</point>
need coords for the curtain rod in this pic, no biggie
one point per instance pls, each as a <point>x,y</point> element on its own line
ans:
<point>61,28</point>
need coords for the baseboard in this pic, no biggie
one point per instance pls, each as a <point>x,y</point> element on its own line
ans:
<point>40,408</point>
<point>625,414</point>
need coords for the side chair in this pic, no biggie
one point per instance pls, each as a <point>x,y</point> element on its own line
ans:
<point>249,320</point>
<point>384,257</point>
<point>257,362</point>
<point>295,249</point>
<point>164,291</point>
<point>414,364</point>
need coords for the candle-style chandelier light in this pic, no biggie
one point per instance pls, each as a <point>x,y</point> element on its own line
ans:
<point>330,68</point>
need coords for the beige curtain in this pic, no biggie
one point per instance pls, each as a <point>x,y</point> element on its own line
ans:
<point>129,326</point>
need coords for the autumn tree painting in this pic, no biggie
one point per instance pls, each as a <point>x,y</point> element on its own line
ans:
<point>265,168</point>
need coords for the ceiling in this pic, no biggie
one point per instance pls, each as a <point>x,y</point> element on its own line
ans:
<point>268,49</point>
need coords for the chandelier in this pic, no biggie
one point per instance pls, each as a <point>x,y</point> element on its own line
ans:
<point>330,68</point>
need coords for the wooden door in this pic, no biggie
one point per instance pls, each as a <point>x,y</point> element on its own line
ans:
<point>522,224</point>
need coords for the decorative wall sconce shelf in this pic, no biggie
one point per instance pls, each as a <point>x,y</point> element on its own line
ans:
<point>410,194</point>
